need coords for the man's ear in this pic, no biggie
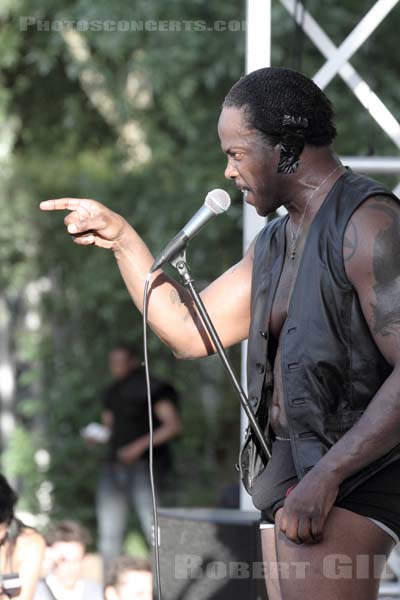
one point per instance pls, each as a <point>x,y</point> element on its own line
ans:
<point>110,593</point>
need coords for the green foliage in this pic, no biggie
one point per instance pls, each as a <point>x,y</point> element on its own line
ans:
<point>64,144</point>
<point>19,464</point>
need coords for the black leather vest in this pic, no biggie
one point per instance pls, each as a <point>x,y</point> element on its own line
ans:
<point>331,366</point>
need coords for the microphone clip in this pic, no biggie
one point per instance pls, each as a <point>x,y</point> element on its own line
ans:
<point>180,264</point>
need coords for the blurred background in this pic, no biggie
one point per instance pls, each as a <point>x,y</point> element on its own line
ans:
<point>128,117</point>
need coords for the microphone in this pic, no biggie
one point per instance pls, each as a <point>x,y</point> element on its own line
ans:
<point>216,202</point>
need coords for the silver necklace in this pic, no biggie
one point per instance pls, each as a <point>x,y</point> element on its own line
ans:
<point>294,235</point>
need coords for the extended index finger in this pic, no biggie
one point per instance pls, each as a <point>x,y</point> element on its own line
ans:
<point>60,204</point>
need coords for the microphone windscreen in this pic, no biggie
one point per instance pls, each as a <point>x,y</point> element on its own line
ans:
<point>218,201</point>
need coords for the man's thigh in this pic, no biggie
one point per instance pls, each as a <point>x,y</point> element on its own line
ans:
<point>270,560</point>
<point>346,565</point>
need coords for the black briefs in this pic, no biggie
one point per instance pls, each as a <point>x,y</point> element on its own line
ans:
<point>378,498</point>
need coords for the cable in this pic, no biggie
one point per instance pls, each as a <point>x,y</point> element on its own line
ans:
<point>151,467</point>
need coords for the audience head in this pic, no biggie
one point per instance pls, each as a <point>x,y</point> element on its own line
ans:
<point>123,359</point>
<point>67,541</point>
<point>129,579</point>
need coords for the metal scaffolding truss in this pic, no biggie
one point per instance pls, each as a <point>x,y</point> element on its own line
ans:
<point>337,64</point>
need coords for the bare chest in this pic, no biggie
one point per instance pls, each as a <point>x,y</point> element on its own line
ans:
<point>282,296</point>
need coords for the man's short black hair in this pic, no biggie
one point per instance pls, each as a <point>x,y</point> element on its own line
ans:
<point>269,95</point>
<point>8,500</point>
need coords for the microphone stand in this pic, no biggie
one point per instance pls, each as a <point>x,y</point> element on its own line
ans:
<point>187,280</point>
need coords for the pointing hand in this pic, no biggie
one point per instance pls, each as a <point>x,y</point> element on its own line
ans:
<point>89,222</point>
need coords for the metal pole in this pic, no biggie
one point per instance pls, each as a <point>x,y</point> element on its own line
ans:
<point>258,55</point>
<point>373,164</point>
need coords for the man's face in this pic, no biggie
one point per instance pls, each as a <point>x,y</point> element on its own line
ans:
<point>251,163</point>
<point>121,363</point>
<point>67,560</point>
<point>132,585</point>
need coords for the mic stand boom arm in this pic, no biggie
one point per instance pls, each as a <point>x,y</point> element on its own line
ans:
<point>187,280</point>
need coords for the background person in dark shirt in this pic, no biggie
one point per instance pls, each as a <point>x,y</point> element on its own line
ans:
<point>124,481</point>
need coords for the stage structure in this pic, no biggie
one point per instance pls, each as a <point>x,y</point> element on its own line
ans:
<point>258,55</point>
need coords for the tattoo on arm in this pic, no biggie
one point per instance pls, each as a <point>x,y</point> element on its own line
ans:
<point>175,297</point>
<point>350,241</point>
<point>178,296</point>
<point>386,250</point>
<point>183,297</point>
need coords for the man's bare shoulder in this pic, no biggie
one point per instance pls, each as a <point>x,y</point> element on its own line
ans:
<point>371,250</point>
<point>372,235</point>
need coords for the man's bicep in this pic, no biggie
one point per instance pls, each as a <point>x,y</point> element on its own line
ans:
<point>371,250</point>
<point>228,301</point>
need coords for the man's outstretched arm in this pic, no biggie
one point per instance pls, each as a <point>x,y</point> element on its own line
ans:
<point>171,313</point>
